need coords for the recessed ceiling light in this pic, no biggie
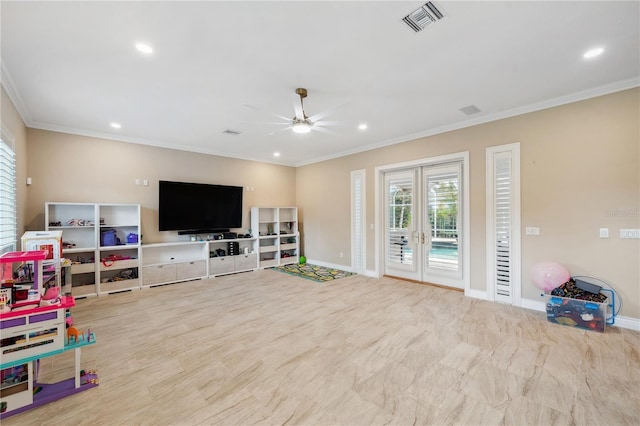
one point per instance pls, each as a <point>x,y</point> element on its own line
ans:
<point>144,48</point>
<point>276,154</point>
<point>592,53</point>
<point>363,126</point>
<point>116,125</point>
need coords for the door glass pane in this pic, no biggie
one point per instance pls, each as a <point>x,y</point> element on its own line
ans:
<point>443,214</point>
<point>399,220</point>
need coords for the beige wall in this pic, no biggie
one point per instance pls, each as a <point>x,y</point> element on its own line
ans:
<point>13,124</point>
<point>580,171</point>
<point>70,168</point>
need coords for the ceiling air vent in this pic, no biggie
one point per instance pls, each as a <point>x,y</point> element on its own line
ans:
<point>425,15</point>
<point>469,110</point>
<point>230,132</point>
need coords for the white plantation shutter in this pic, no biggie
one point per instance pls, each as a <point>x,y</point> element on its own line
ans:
<point>8,219</point>
<point>503,223</point>
<point>357,221</point>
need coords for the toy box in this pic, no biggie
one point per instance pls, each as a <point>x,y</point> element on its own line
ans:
<point>578,313</point>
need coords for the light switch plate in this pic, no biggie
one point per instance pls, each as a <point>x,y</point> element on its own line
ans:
<point>532,230</point>
<point>630,233</point>
<point>604,232</point>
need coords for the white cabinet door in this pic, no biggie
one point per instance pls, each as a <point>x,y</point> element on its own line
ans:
<point>158,274</point>
<point>246,261</point>
<point>191,270</point>
<point>221,265</point>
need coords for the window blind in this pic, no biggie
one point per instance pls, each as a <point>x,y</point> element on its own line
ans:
<point>8,219</point>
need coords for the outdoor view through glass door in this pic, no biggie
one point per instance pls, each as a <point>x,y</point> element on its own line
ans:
<point>423,223</point>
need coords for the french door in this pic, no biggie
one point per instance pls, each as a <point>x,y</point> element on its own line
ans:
<point>423,226</point>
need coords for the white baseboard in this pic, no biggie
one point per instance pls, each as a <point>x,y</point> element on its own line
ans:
<point>535,305</point>
<point>628,323</point>
<point>476,294</point>
<point>371,273</point>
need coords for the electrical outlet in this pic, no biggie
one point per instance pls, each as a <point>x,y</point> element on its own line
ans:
<point>604,232</point>
<point>341,254</point>
<point>137,181</point>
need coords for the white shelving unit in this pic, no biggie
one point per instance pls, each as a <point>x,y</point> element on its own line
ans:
<point>278,236</point>
<point>119,263</point>
<point>246,258</point>
<point>98,267</point>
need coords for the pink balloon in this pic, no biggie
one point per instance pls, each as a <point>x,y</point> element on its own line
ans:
<point>549,275</point>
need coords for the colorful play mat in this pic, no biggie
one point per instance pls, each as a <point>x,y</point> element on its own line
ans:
<point>313,272</point>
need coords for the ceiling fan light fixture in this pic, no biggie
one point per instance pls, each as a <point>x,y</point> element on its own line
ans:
<point>301,127</point>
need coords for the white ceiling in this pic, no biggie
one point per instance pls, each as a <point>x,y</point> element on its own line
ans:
<point>72,67</point>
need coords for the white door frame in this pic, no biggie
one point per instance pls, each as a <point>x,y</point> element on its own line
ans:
<point>379,208</point>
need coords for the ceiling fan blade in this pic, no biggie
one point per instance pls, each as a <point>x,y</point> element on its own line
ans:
<point>280,131</point>
<point>297,106</point>
<point>281,117</point>
<point>328,123</point>
<point>323,130</point>
<point>280,123</point>
<point>325,113</point>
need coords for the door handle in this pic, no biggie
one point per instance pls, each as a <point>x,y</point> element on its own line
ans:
<point>427,240</point>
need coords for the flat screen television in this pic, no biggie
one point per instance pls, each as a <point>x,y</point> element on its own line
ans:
<point>198,207</point>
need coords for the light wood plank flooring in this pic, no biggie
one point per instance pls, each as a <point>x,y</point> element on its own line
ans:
<point>268,348</point>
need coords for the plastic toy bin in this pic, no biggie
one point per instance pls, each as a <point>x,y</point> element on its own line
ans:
<point>577,313</point>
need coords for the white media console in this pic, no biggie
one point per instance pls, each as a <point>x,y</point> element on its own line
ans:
<point>275,241</point>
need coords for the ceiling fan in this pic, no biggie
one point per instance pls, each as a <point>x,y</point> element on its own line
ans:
<point>301,122</point>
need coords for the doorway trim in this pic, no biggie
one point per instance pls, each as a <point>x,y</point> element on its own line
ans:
<point>379,208</point>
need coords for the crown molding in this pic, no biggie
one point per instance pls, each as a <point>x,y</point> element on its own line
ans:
<point>109,136</point>
<point>538,106</point>
<point>9,86</point>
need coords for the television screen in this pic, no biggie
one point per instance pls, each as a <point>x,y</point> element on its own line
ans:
<point>199,207</point>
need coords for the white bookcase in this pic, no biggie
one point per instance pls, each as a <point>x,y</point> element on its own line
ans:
<point>277,233</point>
<point>99,266</point>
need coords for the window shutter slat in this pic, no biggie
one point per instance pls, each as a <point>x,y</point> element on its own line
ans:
<point>502,227</point>
<point>8,219</point>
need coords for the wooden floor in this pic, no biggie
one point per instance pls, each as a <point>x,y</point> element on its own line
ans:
<point>268,348</point>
